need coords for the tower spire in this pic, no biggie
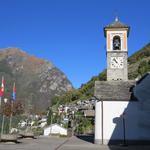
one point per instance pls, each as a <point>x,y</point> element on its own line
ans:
<point>116,19</point>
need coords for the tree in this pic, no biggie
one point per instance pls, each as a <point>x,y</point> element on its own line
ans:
<point>7,109</point>
<point>15,109</point>
<point>49,116</point>
<point>18,108</point>
<point>143,67</point>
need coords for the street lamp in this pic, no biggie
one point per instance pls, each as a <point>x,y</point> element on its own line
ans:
<point>124,129</point>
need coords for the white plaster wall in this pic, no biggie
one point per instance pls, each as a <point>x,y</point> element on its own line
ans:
<point>47,131</point>
<point>112,111</point>
<point>55,129</point>
<point>98,123</point>
<point>144,125</point>
<point>142,92</point>
<point>137,116</point>
<point>132,121</point>
<point>113,126</point>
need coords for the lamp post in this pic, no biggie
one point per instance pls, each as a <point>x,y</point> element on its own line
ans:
<point>3,120</point>
<point>124,129</point>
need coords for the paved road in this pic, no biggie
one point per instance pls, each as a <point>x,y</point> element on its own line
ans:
<point>41,143</point>
<point>75,143</point>
<point>55,143</point>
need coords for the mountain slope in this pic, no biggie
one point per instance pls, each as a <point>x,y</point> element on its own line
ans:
<point>37,80</point>
<point>138,65</point>
<point>139,62</point>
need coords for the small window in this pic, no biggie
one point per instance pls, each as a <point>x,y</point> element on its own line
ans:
<point>116,43</point>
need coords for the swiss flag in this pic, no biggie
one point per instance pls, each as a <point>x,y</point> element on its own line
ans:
<point>1,93</point>
<point>2,88</point>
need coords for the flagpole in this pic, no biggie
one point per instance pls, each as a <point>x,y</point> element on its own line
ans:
<point>1,92</point>
<point>2,125</point>
<point>1,113</point>
<point>10,122</point>
<point>0,102</point>
<point>1,95</point>
<point>3,120</point>
<point>12,103</point>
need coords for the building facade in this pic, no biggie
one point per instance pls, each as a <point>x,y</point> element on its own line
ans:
<point>116,106</point>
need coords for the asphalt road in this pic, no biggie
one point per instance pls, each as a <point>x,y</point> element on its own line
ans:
<point>86,143</point>
<point>56,143</point>
<point>41,143</point>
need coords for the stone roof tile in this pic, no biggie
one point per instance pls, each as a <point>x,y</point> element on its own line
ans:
<point>114,90</point>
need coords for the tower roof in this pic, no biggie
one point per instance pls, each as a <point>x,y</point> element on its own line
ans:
<point>116,25</point>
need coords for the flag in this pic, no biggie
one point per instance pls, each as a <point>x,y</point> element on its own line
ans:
<point>2,88</point>
<point>1,93</point>
<point>14,92</point>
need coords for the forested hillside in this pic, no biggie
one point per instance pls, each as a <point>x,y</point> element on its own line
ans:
<point>138,65</point>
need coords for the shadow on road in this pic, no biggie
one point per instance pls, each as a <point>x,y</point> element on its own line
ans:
<point>88,138</point>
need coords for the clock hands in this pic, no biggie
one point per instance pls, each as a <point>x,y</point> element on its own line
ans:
<point>115,60</point>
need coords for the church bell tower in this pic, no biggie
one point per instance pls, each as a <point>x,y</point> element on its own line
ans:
<point>115,97</point>
<point>116,35</point>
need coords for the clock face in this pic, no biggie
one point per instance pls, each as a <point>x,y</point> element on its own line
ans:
<point>116,62</point>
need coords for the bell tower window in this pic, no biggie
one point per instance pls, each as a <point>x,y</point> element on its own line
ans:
<point>116,43</point>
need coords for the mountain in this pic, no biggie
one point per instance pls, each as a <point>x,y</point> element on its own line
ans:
<point>139,62</point>
<point>138,65</point>
<point>37,80</point>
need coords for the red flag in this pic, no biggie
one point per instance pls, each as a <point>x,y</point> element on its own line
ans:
<point>2,88</point>
<point>1,93</point>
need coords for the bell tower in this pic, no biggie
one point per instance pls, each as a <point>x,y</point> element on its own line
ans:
<point>116,35</point>
<point>115,97</point>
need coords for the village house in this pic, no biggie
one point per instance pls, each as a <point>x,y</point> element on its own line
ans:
<point>55,129</point>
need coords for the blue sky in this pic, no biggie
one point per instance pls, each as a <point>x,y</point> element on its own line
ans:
<point>70,32</point>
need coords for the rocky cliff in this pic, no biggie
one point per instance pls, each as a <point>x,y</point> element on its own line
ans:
<point>37,80</point>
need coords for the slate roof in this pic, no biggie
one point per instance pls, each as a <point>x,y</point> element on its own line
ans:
<point>116,24</point>
<point>114,90</point>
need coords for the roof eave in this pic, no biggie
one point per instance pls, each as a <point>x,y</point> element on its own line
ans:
<point>112,28</point>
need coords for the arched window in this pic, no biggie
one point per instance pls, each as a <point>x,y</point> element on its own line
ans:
<point>116,43</point>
